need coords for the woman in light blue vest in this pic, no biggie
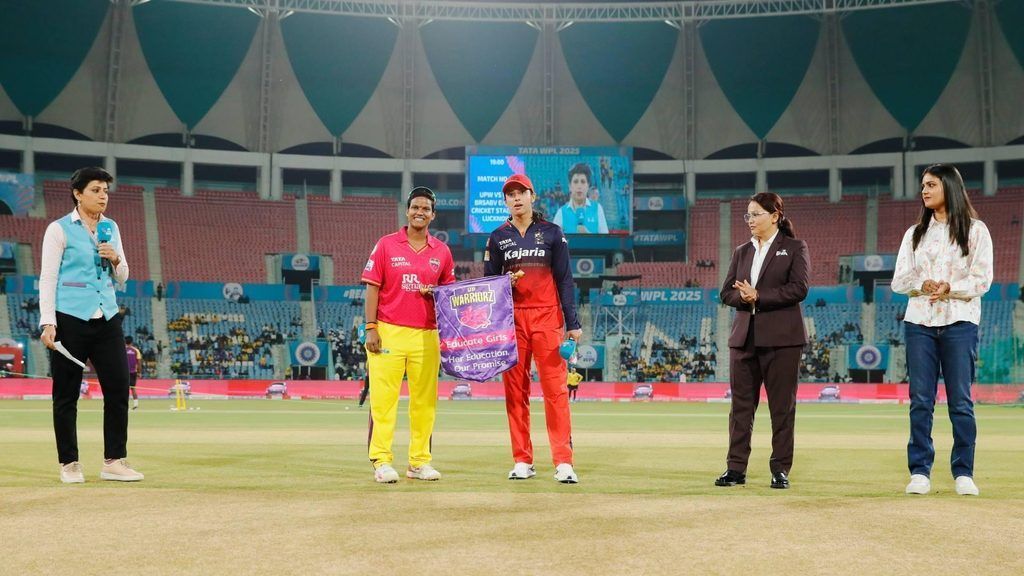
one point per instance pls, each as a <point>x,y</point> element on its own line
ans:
<point>82,259</point>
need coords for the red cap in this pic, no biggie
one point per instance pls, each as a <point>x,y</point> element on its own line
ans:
<point>515,179</point>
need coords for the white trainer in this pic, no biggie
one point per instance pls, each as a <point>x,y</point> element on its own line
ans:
<point>385,474</point>
<point>565,474</point>
<point>119,471</point>
<point>965,486</point>
<point>71,473</point>
<point>424,472</point>
<point>919,484</point>
<point>522,471</point>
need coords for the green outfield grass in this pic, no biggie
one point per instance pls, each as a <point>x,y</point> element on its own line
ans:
<point>284,487</point>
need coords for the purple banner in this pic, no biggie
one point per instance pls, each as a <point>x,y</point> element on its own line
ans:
<point>476,328</point>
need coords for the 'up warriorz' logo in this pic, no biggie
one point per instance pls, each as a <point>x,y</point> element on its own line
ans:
<point>472,307</point>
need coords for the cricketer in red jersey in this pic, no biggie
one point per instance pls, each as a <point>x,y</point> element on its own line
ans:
<point>401,336</point>
<point>545,309</point>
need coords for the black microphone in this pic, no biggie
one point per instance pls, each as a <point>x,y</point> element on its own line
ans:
<point>104,233</point>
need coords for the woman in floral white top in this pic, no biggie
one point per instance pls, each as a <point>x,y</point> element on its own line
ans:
<point>945,266</point>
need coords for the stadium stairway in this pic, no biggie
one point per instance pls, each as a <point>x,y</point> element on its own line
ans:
<point>867,322</point>
<point>612,348</point>
<point>302,241</point>
<point>38,209</point>
<point>152,241</point>
<point>26,260</point>
<point>38,359</point>
<point>279,354</point>
<point>5,316</point>
<point>724,330</point>
<point>1017,373</point>
<point>587,322</point>
<point>725,249</point>
<point>309,326</point>
<point>163,364</point>
<point>897,369</point>
<point>838,362</point>
<point>871,223</point>
<point>650,333</point>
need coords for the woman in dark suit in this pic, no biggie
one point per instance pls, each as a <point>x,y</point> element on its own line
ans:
<point>767,280</point>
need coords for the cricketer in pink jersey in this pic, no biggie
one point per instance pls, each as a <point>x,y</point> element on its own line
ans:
<point>401,336</point>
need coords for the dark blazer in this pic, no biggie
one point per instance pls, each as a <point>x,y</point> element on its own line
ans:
<point>781,287</point>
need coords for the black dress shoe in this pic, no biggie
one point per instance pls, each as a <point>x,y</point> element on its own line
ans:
<point>779,480</point>
<point>731,478</point>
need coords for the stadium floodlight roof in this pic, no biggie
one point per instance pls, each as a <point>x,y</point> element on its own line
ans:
<point>691,10</point>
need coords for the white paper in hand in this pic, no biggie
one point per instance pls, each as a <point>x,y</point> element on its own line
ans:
<point>64,352</point>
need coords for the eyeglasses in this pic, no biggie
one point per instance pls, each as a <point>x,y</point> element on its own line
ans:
<point>751,215</point>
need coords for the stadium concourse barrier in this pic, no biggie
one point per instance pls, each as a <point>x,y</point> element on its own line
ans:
<point>39,388</point>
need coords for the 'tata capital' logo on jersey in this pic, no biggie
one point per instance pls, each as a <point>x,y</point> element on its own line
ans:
<point>473,307</point>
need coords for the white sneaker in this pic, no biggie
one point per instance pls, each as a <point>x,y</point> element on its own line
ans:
<point>522,471</point>
<point>919,484</point>
<point>565,474</point>
<point>120,471</point>
<point>385,474</point>
<point>424,472</point>
<point>965,486</point>
<point>135,404</point>
<point>71,473</point>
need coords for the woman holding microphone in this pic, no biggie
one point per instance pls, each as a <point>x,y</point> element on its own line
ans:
<point>82,259</point>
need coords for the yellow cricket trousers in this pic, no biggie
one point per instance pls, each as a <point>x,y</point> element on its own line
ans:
<point>404,351</point>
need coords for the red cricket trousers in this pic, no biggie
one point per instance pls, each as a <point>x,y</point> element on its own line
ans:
<point>539,334</point>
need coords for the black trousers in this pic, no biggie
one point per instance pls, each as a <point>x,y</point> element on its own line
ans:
<point>102,342</point>
<point>778,368</point>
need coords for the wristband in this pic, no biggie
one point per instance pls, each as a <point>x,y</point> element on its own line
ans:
<point>370,325</point>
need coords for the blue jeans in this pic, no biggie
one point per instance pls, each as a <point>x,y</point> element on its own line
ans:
<point>952,349</point>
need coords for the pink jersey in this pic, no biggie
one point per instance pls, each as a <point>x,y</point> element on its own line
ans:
<point>399,271</point>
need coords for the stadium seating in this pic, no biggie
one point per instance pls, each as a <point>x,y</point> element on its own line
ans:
<point>125,208</point>
<point>219,236</point>
<point>833,322</point>
<point>339,316</point>
<point>348,230</point>
<point>1003,214</point>
<point>217,338</point>
<point>23,310</point>
<point>703,245</point>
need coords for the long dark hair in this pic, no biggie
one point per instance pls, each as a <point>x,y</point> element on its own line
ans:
<point>772,203</point>
<point>959,211</point>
